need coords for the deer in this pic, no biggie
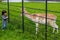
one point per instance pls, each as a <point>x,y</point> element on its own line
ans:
<point>40,18</point>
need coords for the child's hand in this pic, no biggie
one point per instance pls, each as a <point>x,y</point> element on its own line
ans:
<point>7,17</point>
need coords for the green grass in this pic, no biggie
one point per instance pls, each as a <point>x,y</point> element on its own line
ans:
<point>14,27</point>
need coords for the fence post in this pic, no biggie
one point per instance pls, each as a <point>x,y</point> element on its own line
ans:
<point>8,10</point>
<point>23,15</point>
<point>46,20</point>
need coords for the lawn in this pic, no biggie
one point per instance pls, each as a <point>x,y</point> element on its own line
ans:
<point>14,27</point>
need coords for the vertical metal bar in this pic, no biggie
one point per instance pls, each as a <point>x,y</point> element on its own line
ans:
<point>23,15</point>
<point>46,20</point>
<point>8,10</point>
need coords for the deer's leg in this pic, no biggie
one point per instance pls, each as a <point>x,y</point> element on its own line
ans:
<point>57,30</point>
<point>55,26</point>
<point>37,18</point>
<point>36,28</point>
<point>53,30</point>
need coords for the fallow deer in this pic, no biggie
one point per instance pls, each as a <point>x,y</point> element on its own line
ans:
<point>41,18</point>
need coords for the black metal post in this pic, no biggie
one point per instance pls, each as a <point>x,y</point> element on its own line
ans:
<point>23,15</point>
<point>46,21</point>
<point>8,10</point>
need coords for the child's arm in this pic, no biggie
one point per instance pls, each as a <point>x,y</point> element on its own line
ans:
<point>4,17</point>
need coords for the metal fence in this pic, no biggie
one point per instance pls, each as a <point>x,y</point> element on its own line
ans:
<point>55,37</point>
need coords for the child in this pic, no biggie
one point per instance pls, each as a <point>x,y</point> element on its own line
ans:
<point>4,19</point>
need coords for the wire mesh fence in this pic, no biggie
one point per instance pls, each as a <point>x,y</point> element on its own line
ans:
<point>16,21</point>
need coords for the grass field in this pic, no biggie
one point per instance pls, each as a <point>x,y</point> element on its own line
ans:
<point>14,27</point>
